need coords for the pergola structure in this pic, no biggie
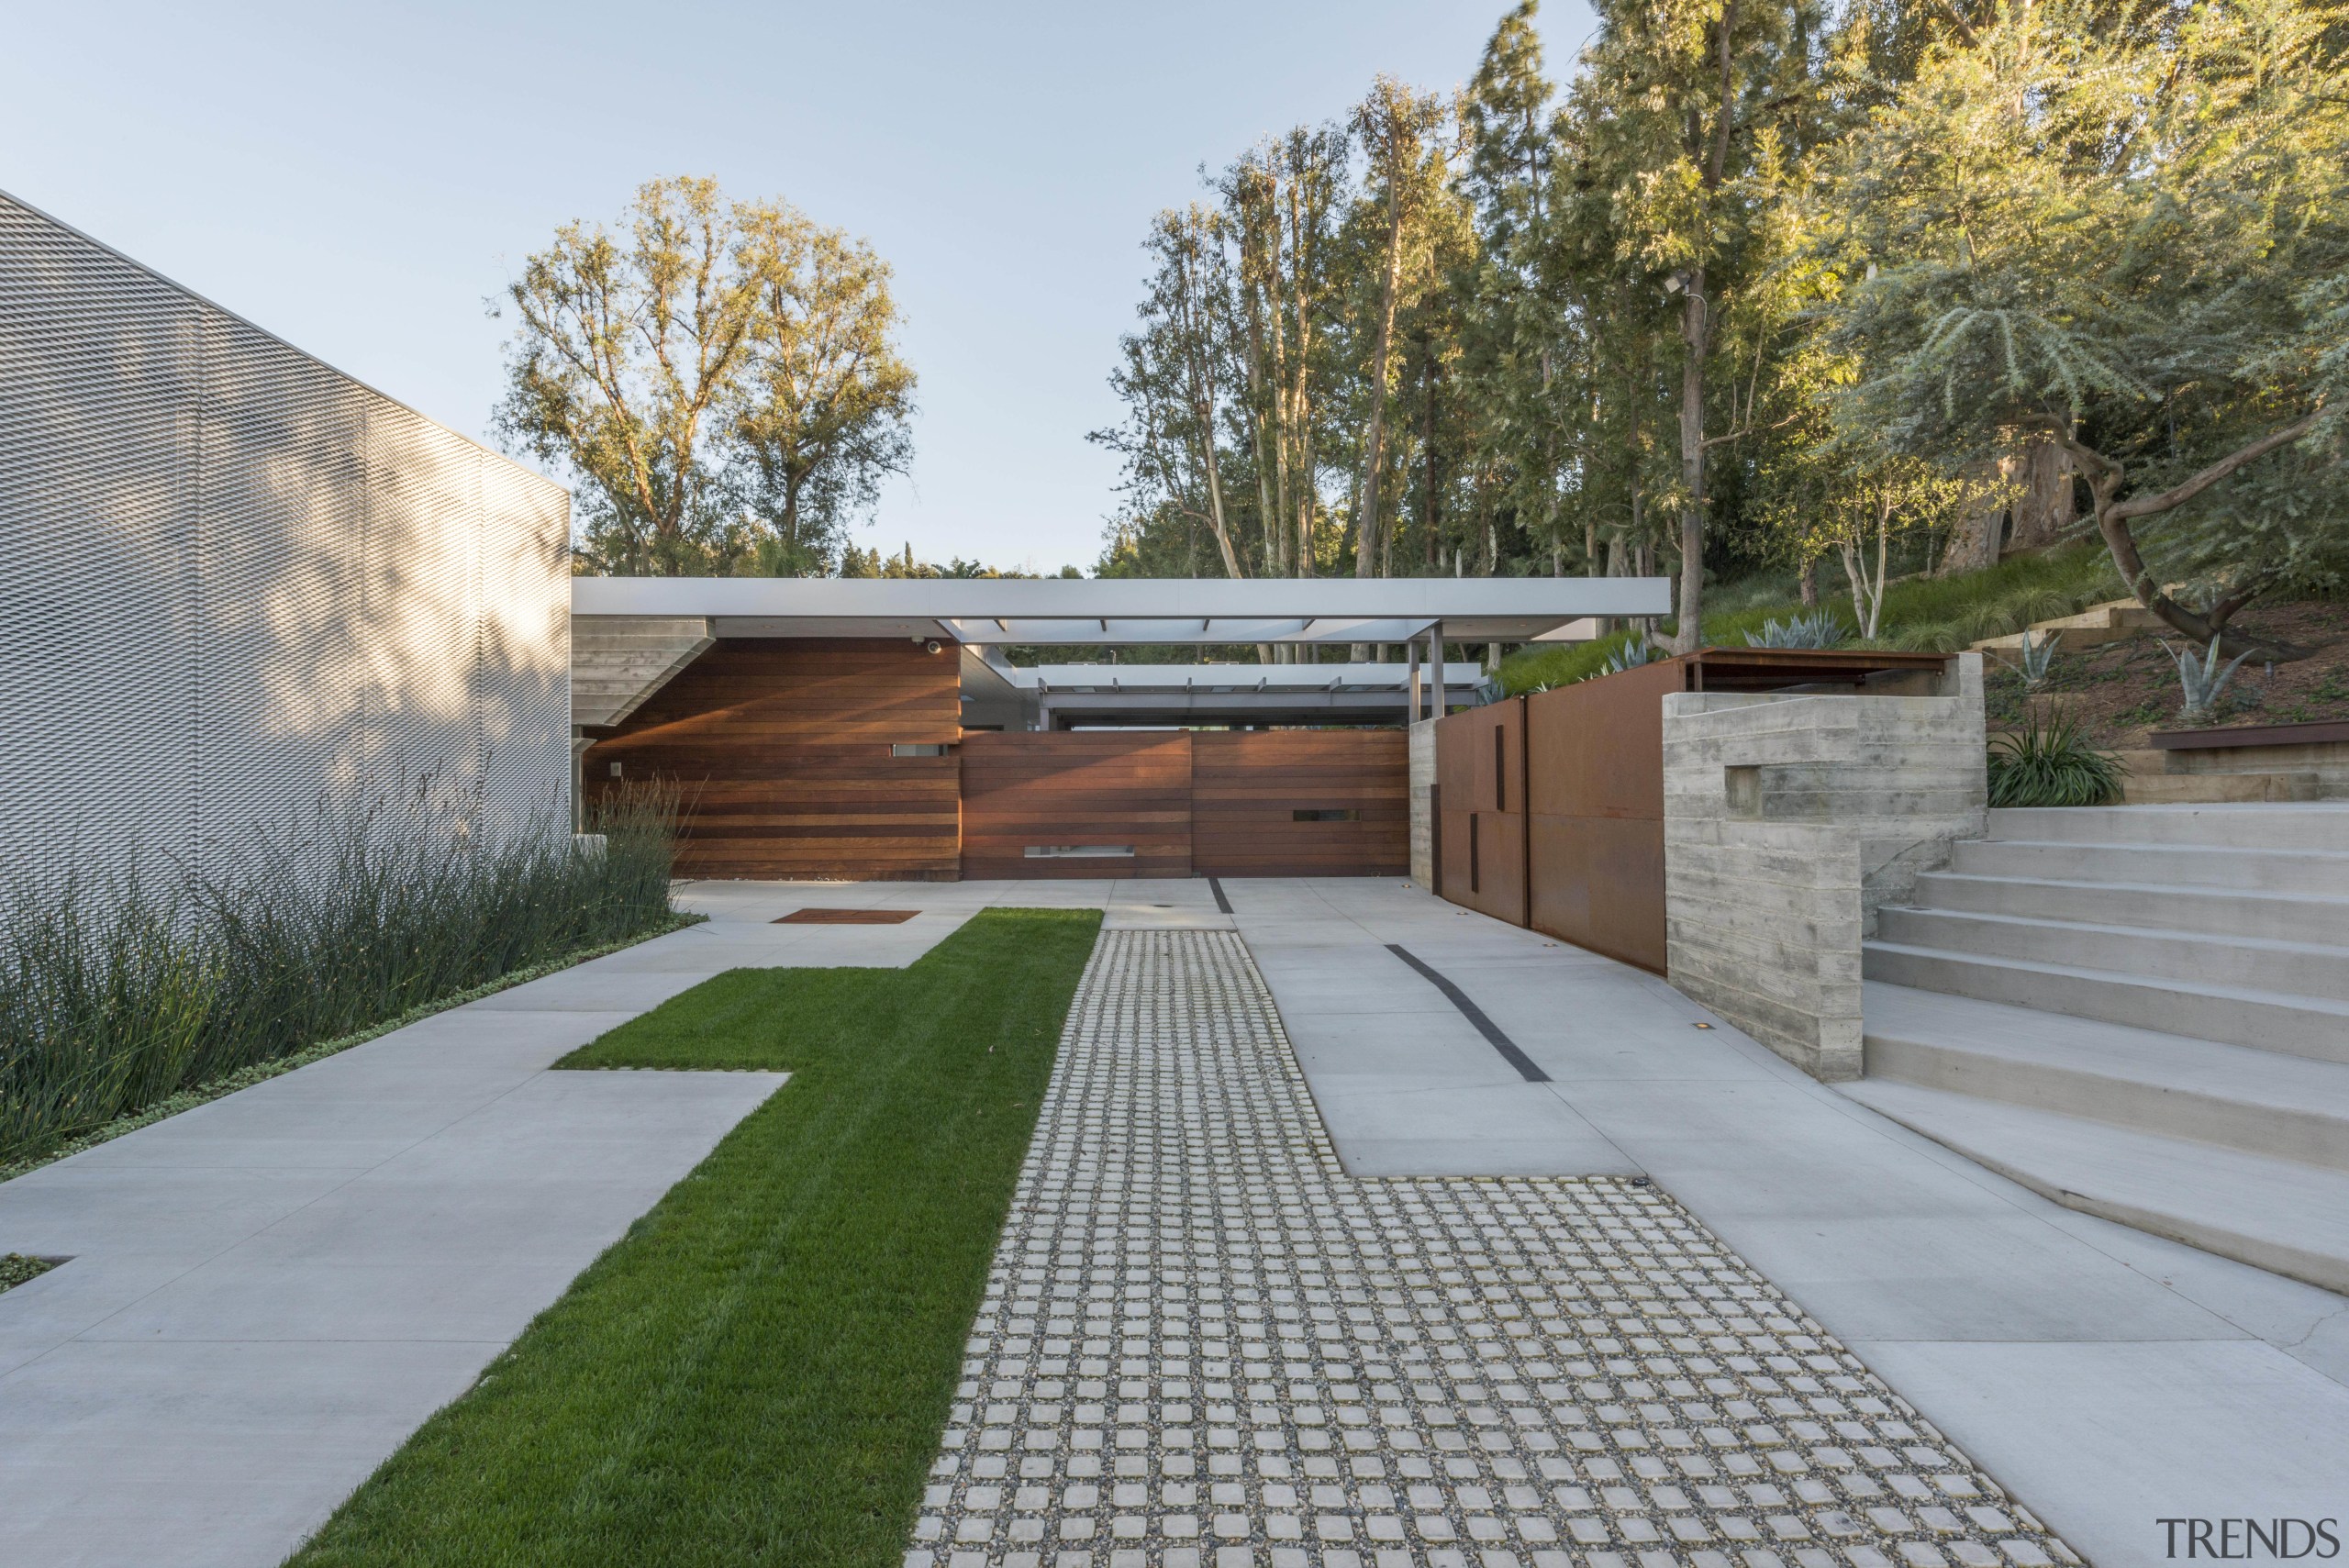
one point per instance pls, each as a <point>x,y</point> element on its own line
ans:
<point>630,634</point>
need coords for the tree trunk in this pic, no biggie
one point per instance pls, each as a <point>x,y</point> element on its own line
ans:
<point>1810,583</point>
<point>1696,331</point>
<point>2043,510</point>
<point>1973,540</point>
<point>1366,518</point>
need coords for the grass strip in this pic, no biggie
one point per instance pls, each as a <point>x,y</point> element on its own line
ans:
<point>759,1371</point>
<point>245,1077</point>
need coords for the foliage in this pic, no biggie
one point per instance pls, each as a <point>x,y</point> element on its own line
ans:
<point>2036,658</point>
<point>1820,630</point>
<point>16,1269</point>
<point>719,380</point>
<point>1631,655</point>
<point>2205,682</point>
<point>2050,763</point>
<point>117,991</point>
<point>759,1371</point>
<point>2125,228</point>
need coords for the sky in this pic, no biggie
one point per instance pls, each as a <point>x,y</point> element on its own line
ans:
<point>360,181</point>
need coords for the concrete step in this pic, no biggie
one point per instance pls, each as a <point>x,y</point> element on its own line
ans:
<point>2265,1020</point>
<point>2220,789</point>
<point>2297,968</point>
<point>2283,1107</point>
<point>2277,916</point>
<point>2309,824</point>
<point>2277,1215</point>
<point>2317,872</point>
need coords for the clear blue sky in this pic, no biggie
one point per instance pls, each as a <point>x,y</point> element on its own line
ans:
<point>359,180</point>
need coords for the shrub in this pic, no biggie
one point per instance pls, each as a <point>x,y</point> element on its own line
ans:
<point>117,990</point>
<point>1820,630</point>
<point>2051,764</point>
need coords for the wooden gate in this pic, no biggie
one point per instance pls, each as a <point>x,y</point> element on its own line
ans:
<point>1300,803</point>
<point>1090,803</point>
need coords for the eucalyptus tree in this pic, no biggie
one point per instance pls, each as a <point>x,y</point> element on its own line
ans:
<point>1405,150</point>
<point>2128,230</point>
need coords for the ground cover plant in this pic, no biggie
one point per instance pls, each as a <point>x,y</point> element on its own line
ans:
<point>2050,762</point>
<point>119,991</point>
<point>758,1372</point>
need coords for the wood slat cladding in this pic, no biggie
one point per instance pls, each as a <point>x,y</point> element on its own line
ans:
<point>1090,789</point>
<point>1247,788</point>
<point>1480,777</point>
<point>784,745</point>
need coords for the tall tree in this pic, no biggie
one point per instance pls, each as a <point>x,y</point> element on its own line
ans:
<point>626,352</point>
<point>821,412</point>
<point>1400,135</point>
<point>2130,234</point>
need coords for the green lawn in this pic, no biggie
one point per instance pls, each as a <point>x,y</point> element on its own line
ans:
<point>758,1372</point>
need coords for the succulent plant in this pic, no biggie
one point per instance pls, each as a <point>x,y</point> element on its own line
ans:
<point>1819,630</point>
<point>2204,682</point>
<point>1631,656</point>
<point>2038,654</point>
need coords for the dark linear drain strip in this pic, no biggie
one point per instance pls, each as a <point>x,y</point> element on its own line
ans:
<point>1475,1014</point>
<point>1214,885</point>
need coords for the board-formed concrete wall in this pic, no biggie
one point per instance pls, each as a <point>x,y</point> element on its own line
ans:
<point>237,587</point>
<point>1788,820</point>
<point>1422,734</point>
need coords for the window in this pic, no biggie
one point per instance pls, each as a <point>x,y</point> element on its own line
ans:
<point>902,748</point>
<point>1324,814</point>
<point>1079,851</point>
<point>1500,769</point>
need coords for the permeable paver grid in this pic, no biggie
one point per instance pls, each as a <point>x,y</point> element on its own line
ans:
<point>1204,1345</point>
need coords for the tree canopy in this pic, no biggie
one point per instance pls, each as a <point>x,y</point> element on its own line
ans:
<point>1890,285</point>
<point>720,379</point>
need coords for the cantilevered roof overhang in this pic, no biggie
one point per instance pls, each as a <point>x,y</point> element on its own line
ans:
<point>1128,611</point>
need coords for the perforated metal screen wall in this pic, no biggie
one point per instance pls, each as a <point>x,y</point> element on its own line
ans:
<point>237,585</point>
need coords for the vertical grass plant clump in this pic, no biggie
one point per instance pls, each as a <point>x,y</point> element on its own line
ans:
<point>117,990</point>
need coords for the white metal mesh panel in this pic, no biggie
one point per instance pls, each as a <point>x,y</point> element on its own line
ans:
<point>235,585</point>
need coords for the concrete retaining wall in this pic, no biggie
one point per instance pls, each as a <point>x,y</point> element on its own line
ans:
<point>1422,801</point>
<point>1789,818</point>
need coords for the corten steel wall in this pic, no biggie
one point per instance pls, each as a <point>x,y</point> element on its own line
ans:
<point>1480,782</point>
<point>781,746</point>
<point>1114,789</point>
<point>1596,847</point>
<point>237,587</point>
<point>1247,788</point>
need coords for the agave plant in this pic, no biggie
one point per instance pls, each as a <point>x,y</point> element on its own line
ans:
<point>1631,656</point>
<point>2038,656</point>
<point>2051,764</point>
<point>2205,682</point>
<point>1820,630</point>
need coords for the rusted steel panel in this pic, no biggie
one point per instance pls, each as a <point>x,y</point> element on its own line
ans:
<point>1596,849</point>
<point>1090,790</point>
<point>1480,765</point>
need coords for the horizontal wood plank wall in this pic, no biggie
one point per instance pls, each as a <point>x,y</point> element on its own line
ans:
<point>1247,787</point>
<point>1597,792</point>
<point>1089,787</point>
<point>783,744</point>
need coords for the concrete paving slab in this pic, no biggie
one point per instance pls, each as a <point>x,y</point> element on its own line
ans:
<point>2101,1375</point>
<point>267,1293</point>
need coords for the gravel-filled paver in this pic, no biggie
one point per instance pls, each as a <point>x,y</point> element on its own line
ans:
<point>1204,1345</point>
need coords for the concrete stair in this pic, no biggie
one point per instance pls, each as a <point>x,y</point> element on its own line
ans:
<point>2116,620</point>
<point>2141,1012</point>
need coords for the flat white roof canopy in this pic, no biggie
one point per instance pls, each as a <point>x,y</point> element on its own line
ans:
<point>992,610</point>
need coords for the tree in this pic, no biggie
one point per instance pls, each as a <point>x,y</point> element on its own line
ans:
<point>718,382</point>
<point>819,413</point>
<point>2128,233</point>
<point>1397,129</point>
